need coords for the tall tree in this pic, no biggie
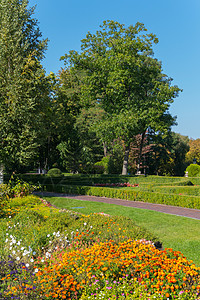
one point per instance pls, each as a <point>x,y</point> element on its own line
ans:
<point>66,107</point>
<point>180,147</point>
<point>125,80</point>
<point>24,88</point>
<point>140,150</point>
<point>88,136</point>
<point>168,155</point>
<point>194,151</point>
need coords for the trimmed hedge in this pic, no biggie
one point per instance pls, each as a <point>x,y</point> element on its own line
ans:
<point>83,179</point>
<point>36,179</point>
<point>55,172</point>
<point>184,190</point>
<point>151,187</point>
<point>134,195</point>
<point>193,170</point>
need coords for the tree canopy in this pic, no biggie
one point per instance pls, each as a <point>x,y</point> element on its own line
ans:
<point>104,102</point>
<point>194,151</point>
<point>24,88</point>
<point>123,78</point>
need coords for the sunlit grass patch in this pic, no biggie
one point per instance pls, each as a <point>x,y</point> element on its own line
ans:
<point>181,234</point>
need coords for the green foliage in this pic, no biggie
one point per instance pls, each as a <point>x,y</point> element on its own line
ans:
<point>125,289</point>
<point>178,190</point>
<point>36,179</point>
<point>55,172</point>
<point>102,167</point>
<point>131,100</point>
<point>180,147</point>
<point>111,164</point>
<point>66,137</point>
<point>15,188</point>
<point>193,151</point>
<point>39,229</point>
<point>131,194</point>
<point>92,150</point>
<point>98,168</point>
<point>91,179</point>
<point>24,89</point>
<point>193,170</point>
<point>70,152</point>
<point>16,270</point>
<point>168,154</point>
<point>34,223</point>
<point>24,202</point>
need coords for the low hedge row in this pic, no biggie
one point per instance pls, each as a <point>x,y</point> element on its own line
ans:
<point>183,182</point>
<point>152,186</point>
<point>134,195</point>
<point>36,179</point>
<point>83,179</point>
<point>195,180</point>
<point>184,190</point>
<point>92,179</point>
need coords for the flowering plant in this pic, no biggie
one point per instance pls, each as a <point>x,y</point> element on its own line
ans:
<point>125,184</point>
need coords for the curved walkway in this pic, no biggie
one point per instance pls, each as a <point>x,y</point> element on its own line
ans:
<point>173,210</point>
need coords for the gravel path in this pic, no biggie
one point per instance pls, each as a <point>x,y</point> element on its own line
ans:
<point>173,210</point>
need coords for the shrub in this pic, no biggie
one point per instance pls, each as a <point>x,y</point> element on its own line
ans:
<point>193,170</point>
<point>98,168</point>
<point>103,165</point>
<point>14,188</point>
<point>55,172</point>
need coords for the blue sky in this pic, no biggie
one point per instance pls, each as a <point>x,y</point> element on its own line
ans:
<point>176,23</point>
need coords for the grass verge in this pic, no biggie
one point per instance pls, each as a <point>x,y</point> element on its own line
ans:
<point>180,233</point>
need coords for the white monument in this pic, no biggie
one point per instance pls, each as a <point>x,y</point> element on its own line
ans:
<point>1,173</point>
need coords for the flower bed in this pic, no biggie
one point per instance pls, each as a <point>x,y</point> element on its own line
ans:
<point>83,272</point>
<point>120,184</point>
<point>164,272</point>
<point>52,254</point>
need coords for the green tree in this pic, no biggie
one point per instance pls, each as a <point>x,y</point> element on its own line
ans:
<point>66,107</point>
<point>92,145</point>
<point>180,148</point>
<point>160,160</point>
<point>24,88</point>
<point>62,112</point>
<point>124,79</point>
<point>70,152</point>
<point>194,151</point>
<point>168,154</point>
<point>140,150</point>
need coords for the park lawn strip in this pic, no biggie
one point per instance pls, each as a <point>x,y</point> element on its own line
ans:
<point>179,233</point>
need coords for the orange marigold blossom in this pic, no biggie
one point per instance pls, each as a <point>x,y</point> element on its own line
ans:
<point>140,261</point>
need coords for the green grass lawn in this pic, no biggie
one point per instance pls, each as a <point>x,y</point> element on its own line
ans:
<point>180,233</point>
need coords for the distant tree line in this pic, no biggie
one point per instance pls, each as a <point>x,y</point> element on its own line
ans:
<point>106,111</point>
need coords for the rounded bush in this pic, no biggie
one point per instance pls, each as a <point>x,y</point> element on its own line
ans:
<point>102,167</point>
<point>193,170</point>
<point>55,172</point>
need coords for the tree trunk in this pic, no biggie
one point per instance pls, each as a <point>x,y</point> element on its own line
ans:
<point>140,152</point>
<point>125,162</point>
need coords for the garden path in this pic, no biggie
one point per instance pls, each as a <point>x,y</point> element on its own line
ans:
<point>173,210</point>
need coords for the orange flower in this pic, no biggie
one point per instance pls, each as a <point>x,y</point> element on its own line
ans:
<point>167,295</point>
